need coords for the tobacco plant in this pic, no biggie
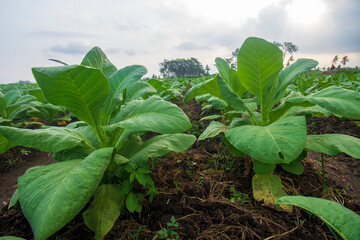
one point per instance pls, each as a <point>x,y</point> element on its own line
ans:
<point>102,158</point>
<point>270,126</point>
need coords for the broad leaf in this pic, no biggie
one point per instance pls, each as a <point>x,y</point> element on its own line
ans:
<point>153,114</point>
<point>268,188</point>
<point>52,195</point>
<point>263,168</point>
<point>82,90</point>
<point>52,139</point>
<point>235,83</point>
<point>295,167</point>
<point>132,202</point>
<point>344,221</point>
<point>337,100</point>
<point>119,81</point>
<point>259,63</point>
<point>333,144</point>
<point>5,144</point>
<point>96,58</point>
<point>214,129</point>
<point>208,86</point>
<point>104,210</point>
<point>287,75</point>
<point>231,98</point>
<point>160,145</point>
<point>280,142</point>
<point>138,89</point>
<point>223,68</point>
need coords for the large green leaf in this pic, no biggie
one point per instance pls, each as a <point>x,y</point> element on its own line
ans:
<point>259,63</point>
<point>52,195</point>
<point>280,142</point>
<point>104,210</point>
<point>333,144</point>
<point>82,90</point>
<point>344,221</point>
<point>96,58</point>
<point>287,75</point>
<point>337,100</point>
<point>5,144</point>
<point>223,68</point>
<point>120,80</point>
<point>52,139</point>
<point>153,114</point>
<point>235,82</point>
<point>138,89</point>
<point>214,129</point>
<point>208,86</point>
<point>268,188</point>
<point>160,145</point>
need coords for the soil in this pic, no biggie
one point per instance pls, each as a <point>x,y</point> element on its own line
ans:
<point>194,187</point>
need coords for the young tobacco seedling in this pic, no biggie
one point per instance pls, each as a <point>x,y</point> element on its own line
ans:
<point>101,157</point>
<point>270,127</point>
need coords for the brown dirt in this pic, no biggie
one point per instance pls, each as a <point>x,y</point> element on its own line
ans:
<point>194,187</point>
<point>13,164</point>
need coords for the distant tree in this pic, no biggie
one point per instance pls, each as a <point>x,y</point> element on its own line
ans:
<point>344,60</point>
<point>232,61</point>
<point>181,68</point>
<point>335,60</point>
<point>291,59</point>
<point>287,47</point>
<point>207,70</point>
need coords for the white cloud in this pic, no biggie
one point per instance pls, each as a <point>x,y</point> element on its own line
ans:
<point>147,32</point>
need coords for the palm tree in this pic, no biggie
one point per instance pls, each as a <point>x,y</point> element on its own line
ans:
<point>335,60</point>
<point>344,60</point>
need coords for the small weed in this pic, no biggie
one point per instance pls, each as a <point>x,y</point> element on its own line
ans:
<point>168,234</point>
<point>137,233</point>
<point>25,151</point>
<point>238,196</point>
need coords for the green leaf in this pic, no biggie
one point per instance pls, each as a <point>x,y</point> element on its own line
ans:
<point>214,129</point>
<point>125,188</point>
<point>337,100</point>
<point>52,139</point>
<point>259,63</point>
<point>223,68</point>
<point>263,168</point>
<point>52,195</point>
<point>138,89</point>
<point>14,199</point>
<point>96,58</point>
<point>288,75</point>
<point>82,90</point>
<point>132,202</point>
<point>153,114</point>
<point>208,86</point>
<point>119,81</point>
<point>344,221</point>
<point>217,103</point>
<point>279,142</point>
<point>268,188</point>
<point>5,144</point>
<point>235,83</point>
<point>295,167</point>
<point>332,144</point>
<point>104,210</point>
<point>231,98</point>
<point>160,145</point>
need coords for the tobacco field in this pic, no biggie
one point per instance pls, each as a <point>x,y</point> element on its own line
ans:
<point>262,151</point>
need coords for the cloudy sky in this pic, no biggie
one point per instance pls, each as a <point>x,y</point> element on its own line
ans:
<point>147,32</point>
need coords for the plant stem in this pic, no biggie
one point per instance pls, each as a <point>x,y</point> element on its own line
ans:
<point>323,173</point>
